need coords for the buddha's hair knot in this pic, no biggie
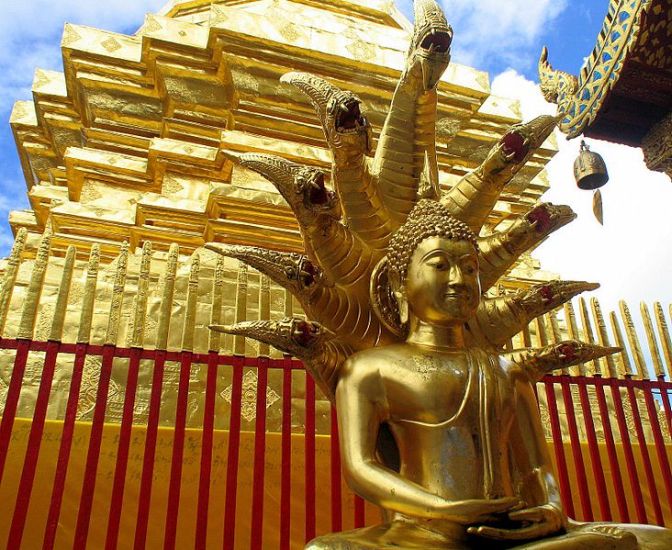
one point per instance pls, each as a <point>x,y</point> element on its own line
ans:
<point>428,219</point>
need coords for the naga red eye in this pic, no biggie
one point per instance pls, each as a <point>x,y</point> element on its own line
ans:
<point>306,333</point>
<point>542,217</point>
<point>514,143</point>
<point>569,351</point>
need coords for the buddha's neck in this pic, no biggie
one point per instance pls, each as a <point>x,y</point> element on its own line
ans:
<point>441,338</point>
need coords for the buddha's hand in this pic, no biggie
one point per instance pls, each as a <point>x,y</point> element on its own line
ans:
<point>476,511</point>
<point>536,522</point>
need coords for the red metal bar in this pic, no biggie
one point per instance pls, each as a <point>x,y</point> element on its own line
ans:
<point>665,398</point>
<point>336,496</point>
<point>125,353</point>
<point>256,538</point>
<point>206,453</point>
<point>286,460</point>
<point>644,451</point>
<point>125,429</point>
<point>147,475</point>
<point>558,447</point>
<point>659,443</point>
<point>577,456</point>
<point>12,400</point>
<point>621,501</point>
<point>233,455</point>
<point>93,454</point>
<point>595,460</point>
<point>65,448</point>
<point>360,512</point>
<point>310,458</point>
<point>627,451</point>
<point>178,452</point>
<point>33,448</point>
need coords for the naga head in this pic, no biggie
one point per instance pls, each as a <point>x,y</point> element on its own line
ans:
<point>310,185</point>
<point>302,187</point>
<point>548,217</point>
<point>293,271</point>
<point>515,147</point>
<point>346,122</point>
<point>430,46</point>
<point>339,111</point>
<point>433,267</point>
<point>293,336</point>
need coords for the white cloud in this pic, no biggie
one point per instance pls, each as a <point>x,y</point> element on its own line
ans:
<point>512,26</point>
<point>630,256</point>
<point>30,34</point>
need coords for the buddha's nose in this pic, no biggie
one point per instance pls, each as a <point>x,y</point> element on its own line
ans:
<point>456,276</point>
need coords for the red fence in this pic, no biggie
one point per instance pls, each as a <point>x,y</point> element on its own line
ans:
<point>611,439</point>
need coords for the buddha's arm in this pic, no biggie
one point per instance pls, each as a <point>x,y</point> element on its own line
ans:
<point>536,483</point>
<point>362,407</point>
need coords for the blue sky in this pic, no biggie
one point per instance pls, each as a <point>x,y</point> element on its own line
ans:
<point>503,37</point>
<point>494,35</point>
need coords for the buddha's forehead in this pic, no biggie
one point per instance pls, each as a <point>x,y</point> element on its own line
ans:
<point>443,245</point>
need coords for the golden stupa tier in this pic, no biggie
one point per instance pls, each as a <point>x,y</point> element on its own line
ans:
<point>130,141</point>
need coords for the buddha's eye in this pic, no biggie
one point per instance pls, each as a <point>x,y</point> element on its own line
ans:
<point>438,263</point>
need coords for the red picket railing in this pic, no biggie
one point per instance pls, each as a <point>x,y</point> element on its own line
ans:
<point>602,429</point>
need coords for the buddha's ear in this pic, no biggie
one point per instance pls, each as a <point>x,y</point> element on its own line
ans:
<point>399,294</point>
<point>402,304</point>
<point>388,299</point>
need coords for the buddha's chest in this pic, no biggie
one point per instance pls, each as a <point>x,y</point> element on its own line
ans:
<point>435,389</point>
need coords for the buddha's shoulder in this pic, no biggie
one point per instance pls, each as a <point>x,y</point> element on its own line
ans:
<point>371,361</point>
<point>382,353</point>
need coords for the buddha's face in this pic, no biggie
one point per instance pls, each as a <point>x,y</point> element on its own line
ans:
<point>442,285</point>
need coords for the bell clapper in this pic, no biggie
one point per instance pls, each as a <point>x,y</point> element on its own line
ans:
<point>590,172</point>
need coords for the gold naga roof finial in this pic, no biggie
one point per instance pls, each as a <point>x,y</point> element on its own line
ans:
<point>555,85</point>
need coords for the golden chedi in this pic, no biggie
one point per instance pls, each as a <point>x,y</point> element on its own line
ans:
<point>438,425</point>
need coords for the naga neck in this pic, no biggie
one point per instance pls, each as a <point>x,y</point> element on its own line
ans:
<point>435,337</point>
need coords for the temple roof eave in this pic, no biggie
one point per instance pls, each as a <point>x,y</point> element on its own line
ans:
<point>592,96</point>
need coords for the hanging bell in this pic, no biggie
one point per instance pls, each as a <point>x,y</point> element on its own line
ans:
<point>590,170</point>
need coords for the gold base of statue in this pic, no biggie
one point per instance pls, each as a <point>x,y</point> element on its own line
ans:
<point>400,535</point>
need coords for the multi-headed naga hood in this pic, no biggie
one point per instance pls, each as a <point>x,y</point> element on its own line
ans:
<point>341,281</point>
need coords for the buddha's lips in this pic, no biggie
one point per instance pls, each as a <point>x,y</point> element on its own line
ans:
<point>455,294</point>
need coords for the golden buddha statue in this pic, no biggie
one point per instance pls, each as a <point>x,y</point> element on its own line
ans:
<point>469,466</point>
<point>438,425</point>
